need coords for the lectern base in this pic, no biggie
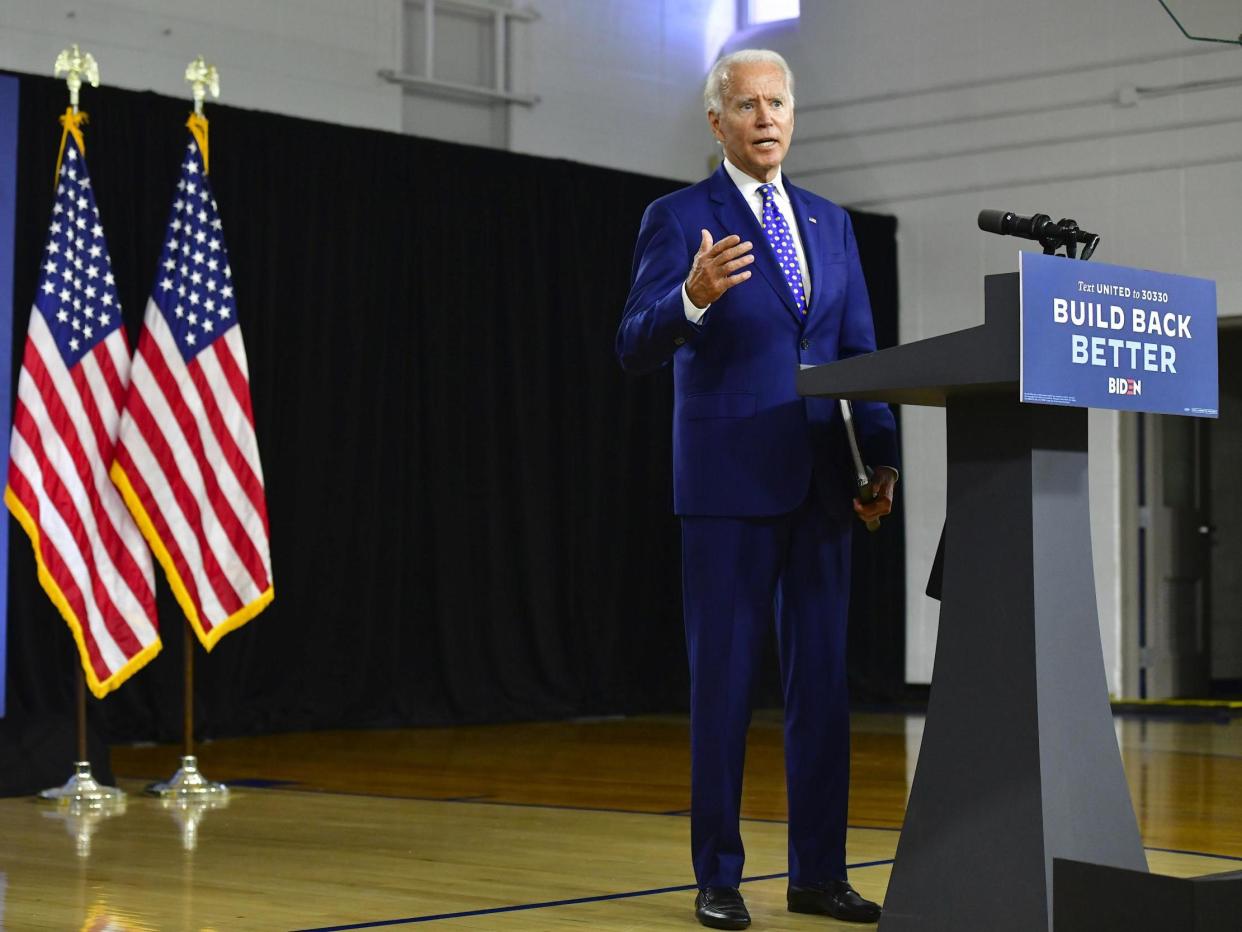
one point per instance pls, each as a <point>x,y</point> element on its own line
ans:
<point>1019,762</point>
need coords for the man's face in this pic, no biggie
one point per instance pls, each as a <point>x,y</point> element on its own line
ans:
<point>758,120</point>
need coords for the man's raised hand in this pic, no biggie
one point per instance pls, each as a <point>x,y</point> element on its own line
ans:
<point>717,267</point>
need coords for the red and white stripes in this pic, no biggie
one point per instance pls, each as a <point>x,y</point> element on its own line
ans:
<point>91,556</point>
<point>188,464</point>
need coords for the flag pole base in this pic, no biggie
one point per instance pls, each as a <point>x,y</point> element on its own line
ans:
<point>188,783</point>
<point>82,787</point>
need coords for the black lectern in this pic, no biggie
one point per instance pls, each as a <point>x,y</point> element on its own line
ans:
<point>1019,762</point>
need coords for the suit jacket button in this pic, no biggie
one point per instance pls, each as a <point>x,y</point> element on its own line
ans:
<point>677,341</point>
<point>805,345</point>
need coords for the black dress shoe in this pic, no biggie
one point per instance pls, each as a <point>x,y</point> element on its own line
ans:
<point>836,898</point>
<point>721,908</point>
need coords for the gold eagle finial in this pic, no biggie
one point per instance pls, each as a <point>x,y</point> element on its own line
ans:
<point>75,65</point>
<point>203,78</point>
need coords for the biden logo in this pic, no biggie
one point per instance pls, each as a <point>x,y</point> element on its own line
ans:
<point>1125,386</point>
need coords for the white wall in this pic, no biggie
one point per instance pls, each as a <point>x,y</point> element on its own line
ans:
<point>464,53</point>
<point>619,80</point>
<point>621,83</point>
<point>932,112</point>
<point>308,58</point>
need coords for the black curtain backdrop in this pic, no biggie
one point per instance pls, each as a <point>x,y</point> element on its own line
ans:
<point>470,504</point>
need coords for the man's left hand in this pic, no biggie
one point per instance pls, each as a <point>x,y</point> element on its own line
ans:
<point>883,481</point>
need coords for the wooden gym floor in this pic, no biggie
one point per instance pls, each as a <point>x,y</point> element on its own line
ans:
<point>523,827</point>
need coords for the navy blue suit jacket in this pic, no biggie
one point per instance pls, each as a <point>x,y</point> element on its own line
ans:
<point>744,442</point>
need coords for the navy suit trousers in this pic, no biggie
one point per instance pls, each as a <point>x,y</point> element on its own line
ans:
<point>737,573</point>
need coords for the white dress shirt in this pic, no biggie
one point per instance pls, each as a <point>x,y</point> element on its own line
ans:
<point>754,200</point>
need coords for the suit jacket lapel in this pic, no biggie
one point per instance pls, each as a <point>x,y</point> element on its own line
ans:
<point>735,216</point>
<point>810,241</point>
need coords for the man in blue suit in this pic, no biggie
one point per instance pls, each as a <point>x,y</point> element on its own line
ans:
<point>739,280</point>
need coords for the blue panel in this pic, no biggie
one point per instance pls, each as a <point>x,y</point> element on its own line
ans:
<point>8,205</point>
<point>1105,336</point>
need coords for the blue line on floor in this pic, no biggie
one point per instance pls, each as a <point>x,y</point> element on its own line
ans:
<point>256,783</point>
<point>576,901</point>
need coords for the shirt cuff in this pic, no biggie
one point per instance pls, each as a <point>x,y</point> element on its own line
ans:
<point>693,314</point>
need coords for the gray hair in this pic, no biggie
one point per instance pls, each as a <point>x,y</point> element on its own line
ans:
<point>718,77</point>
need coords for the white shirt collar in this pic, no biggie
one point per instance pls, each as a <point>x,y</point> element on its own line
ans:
<point>750,187</point>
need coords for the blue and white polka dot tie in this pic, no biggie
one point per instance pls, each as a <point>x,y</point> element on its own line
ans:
<point>781,241</point>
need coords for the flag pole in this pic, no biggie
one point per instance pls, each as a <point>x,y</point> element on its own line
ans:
<point>187,793</point>
<point>81,691</point>
<point>188,729</point>
<point>188,785</point>
<point>188,789</point>
<point>81,789</point>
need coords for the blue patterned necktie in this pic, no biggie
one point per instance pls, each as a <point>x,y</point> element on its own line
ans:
<point>781,241</point>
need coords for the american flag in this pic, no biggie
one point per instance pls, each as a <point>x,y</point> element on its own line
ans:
<point>186,460</point>
<point>92,561</point>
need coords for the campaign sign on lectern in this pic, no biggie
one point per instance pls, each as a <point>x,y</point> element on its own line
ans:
<point>1106,336</point>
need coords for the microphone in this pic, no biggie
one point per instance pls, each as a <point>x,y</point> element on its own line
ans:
<point>1004,223</point>
<point>1042,229</point>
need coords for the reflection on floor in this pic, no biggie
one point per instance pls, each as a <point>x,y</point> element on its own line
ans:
<point>541,826</point>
